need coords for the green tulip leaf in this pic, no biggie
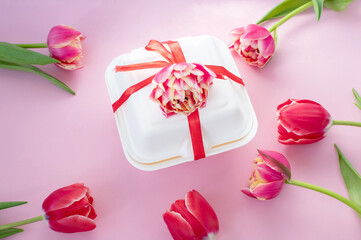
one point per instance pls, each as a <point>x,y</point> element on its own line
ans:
<point>4,205</point>
<point>283,9</point>
<point>15,54</point>
<point>337,5</point>
<point>351,178</point>
<point>10,231</point>
<point>318,6</point>
<point>358,98</point>
<point>33,69</point>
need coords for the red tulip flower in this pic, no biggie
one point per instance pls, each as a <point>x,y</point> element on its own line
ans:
<point>302,122</point>
<point>69,209</point>
<point>192,218</point>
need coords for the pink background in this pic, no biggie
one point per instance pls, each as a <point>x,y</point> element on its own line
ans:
<point>49,139</point>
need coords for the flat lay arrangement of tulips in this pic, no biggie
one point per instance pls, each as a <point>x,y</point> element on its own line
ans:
<point>183,88</point>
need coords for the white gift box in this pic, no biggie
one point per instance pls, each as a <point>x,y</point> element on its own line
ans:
<point>150,140</point>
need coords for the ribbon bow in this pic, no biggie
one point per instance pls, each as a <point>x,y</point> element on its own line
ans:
<point>175,56</point>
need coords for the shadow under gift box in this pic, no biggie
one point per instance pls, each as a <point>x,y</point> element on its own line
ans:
<point>150,140</point>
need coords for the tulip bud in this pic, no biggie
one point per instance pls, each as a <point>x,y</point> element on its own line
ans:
<point>268,177</point>
<point>254,43</point>
<point>192,218</point>
<point>64,44</point>
<point>182,87</point>
<point>302,122</point>
<point>69,209</point>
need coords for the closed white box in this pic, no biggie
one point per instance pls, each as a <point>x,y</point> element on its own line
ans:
<point>150,140</point>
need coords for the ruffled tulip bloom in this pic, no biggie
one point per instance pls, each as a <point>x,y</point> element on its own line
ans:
<point>192,218</point>
<point>69,209</point>
<point>182,87</point>
<point>302,122</point>
<point>254,43</point>
<point>64,44</point>
<point>271,169</point>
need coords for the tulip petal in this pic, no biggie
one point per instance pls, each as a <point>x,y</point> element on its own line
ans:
<point>72,224</point>
<point>237,31</point>
<point>255,32</point>
<point>267,174</point>
<point>64,197</point>
<point>289,138</point>
<point>265,191</point>
<point>178,227</point>
<point>163,74</point>
<point>82,207</point>
<point>179,206</point>
<point>62,35</point>
<point>266,47</point>
<point>277,162</point>
<point>248,192</point>
<point>200,209</point>
<point>286,103</point>
<point>66,54</point>
<point>74,65</point>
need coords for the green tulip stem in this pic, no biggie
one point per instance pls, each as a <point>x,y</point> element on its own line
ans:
<point>290,15</point>
<point>20,223</point>
<point>348,123</point>
<point>33,45</point>
<point>337,196</point>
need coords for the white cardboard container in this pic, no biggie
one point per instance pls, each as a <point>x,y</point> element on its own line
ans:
<point>150,140</point>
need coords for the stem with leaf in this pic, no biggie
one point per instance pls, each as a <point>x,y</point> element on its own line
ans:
<point>337,196</point>
<point>290,15</point>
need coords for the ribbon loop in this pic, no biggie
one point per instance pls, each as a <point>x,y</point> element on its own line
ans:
<point>176,51</point>
<point>158,47</point>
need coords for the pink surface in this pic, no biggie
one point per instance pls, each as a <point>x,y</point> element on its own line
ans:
<point>49,139</point>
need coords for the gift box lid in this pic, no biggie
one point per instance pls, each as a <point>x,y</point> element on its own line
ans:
<point>150,140</point>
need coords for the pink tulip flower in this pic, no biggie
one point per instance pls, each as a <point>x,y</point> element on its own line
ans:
<point>69,209</point>
<point>64,44</point>
<point>302,122</point>
<point>254,43</point>
<point>268,177</point>
<point>192,218</point>
<point>182,87</point>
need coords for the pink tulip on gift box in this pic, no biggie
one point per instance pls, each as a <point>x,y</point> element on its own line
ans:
<point>182,88</point>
